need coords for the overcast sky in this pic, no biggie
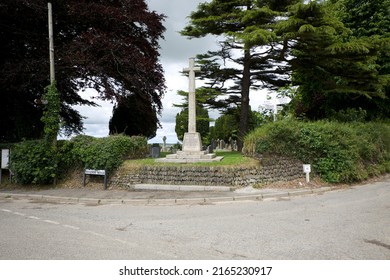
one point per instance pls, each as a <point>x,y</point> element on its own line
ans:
<point>175,51</point>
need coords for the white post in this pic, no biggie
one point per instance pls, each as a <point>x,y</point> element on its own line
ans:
<point>307,170</point>
<point>51,43</point>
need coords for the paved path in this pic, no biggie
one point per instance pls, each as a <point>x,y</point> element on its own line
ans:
<point>157,194</point>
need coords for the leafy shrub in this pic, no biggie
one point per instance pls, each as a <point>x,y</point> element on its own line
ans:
<point>339,152</point>
<point>109,152</point>
<point>36,162</point>
<point>349,115</point>
<point>66,157</point>
<point>33,162</point>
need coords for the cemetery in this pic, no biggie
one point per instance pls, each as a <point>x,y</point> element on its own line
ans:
<point>283,150</point>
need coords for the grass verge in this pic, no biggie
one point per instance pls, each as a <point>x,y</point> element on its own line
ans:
<point>235,159</point>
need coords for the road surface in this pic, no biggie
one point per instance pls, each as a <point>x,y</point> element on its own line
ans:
<point>345,224</point>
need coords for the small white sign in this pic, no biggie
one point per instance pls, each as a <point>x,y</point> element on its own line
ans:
<point>95,172</point>
<point>306,168</point>
<point>4,158</point>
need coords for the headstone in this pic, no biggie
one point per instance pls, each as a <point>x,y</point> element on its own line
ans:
<point>164,144</point>
<point>213,145</point>
<point>156,152</point>
<point>210,149</point>
<point>235,147</point>
<point>222,144</point>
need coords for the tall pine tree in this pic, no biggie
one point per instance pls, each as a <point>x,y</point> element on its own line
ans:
<point>241,64</point>
<point>370,22</point>
<point>331,68</point>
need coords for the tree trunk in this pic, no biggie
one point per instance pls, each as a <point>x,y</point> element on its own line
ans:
<point>245,108</point>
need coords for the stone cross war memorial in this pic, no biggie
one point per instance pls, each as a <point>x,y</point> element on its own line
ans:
<point>192,141</point>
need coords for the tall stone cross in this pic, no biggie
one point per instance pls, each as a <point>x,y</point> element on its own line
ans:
<point>191,70</point>
<point>192,150</point>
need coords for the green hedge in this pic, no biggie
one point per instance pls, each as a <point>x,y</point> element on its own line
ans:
<point>33,162</point>
<point>36,162</point>
<point>339,152</point>
<point>109,152</point>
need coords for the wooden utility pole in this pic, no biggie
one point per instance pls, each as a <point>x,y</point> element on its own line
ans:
<point>51,43</point>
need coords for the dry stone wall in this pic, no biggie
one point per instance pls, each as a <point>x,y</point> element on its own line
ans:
<point>270,170</point>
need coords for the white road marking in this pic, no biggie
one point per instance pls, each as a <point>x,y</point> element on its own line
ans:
<point>20,214</point>
<point>51,222</point>
<point>33,217</point>
<point>72,227</point>
<point>98,234</point>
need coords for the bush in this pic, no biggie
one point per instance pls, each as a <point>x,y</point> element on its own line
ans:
<point>33,162</point>
<point>339,152</point>
<point>109,152</point>
<point>36,162</point>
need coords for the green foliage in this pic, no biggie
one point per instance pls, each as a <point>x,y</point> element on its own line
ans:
<point>226,126</point>
<point>38,162</point>
<point>33,162</point>
<point>250,56</point>
<point>108,152</point>
<point>339,152</point>
<point>365,18</point>
<point>51,116</point>
<point>349,115</point>
<point>335,67</point>
<point>202,123</point>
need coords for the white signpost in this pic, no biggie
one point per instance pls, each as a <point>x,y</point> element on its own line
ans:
<point>4,158</point>
<point>4,161</point>
<point>307,170</point>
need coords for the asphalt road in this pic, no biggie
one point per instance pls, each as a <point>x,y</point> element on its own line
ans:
<point>344,224</point>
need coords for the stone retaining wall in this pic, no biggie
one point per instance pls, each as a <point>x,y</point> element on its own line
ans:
<point>269,170</point>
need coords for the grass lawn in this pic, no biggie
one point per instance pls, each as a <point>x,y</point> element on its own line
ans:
<point>229,159</point>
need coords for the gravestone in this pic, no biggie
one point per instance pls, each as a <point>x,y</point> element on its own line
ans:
<point>213,145</point>
<point>222,144</point>
<point>156,151</point>
<point>164,149</point>
<point>235,145</point>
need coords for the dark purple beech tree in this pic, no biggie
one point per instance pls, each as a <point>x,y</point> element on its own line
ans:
<point>111,46</point>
